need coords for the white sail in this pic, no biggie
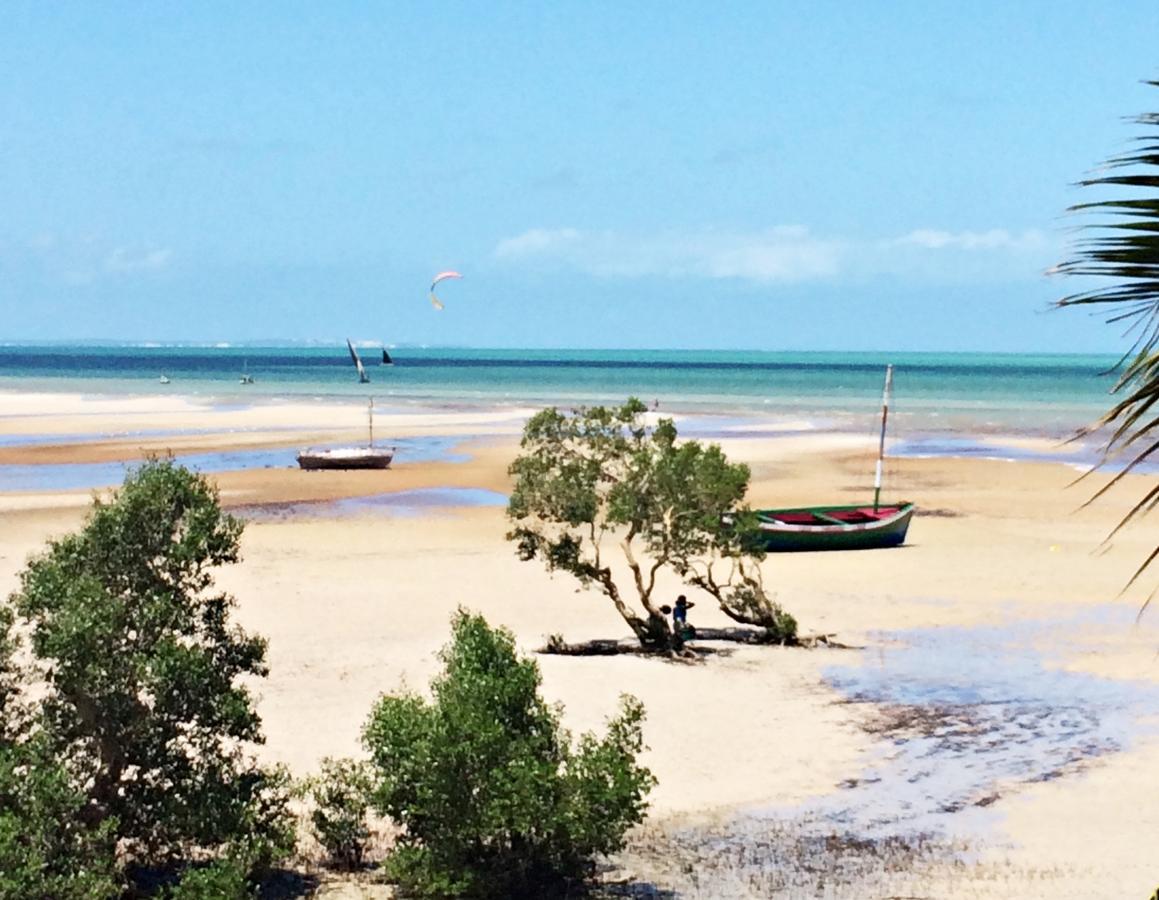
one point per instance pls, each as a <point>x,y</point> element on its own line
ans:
<point>363,378</point>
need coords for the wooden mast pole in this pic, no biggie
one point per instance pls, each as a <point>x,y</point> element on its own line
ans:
<point>881,442</point>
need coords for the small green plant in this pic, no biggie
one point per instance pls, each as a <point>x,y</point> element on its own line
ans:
<point>492,798</point>
<point>341,798</point>
<point>555,643</point>
<point>223,879</point>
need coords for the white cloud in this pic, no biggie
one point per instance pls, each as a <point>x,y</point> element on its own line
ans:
<point>535,241</point>
<point>786,253</point>
<point>995,239</point>
<point>80,259</point>
<point>123,260</point>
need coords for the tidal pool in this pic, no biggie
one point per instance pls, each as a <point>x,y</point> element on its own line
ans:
<point>84,476</point>
<point>968,714</point>
<point>392,503</point>
<point>964,717</point>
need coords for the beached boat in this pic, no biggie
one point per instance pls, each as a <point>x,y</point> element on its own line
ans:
<point>833,527</point>
<point>859,527</point>
<point>346,458</point>
<point>368,457</point>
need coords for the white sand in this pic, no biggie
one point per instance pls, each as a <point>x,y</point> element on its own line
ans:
<point>354,607</point>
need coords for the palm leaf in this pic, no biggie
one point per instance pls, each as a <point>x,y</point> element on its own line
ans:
<point>1119,245</point>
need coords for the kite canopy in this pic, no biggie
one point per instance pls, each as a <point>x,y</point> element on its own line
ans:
<point>442,276</point>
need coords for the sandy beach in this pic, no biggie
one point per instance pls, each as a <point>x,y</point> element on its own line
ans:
<point>1003,581</point>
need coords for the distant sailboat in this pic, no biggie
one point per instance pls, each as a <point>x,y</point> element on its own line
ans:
<point>164,379</point>
<point>246,377</point>
<point>363,378</point>
<point>386,360</point>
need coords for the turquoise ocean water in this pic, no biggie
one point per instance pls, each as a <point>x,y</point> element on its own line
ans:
<point>959,405</point>
<point>977,393</point>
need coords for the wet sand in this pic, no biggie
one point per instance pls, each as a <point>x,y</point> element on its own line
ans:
<point>1005,704</point>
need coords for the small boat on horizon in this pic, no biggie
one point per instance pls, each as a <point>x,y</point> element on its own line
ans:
<point>386,360</point>
<point>857,527</point>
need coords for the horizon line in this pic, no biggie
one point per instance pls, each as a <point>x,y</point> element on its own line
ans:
<point>364,343</point>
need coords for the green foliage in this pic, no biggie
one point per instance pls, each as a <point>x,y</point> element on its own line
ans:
<point>265,836</point>
<point>265,832</point>
<point>45,851</point>
<point>223,879</point>
<point>1122,252</point>
<point>137,668</point>
<point>599,474</point>
<point>493,799</point>
<point>341,797</point>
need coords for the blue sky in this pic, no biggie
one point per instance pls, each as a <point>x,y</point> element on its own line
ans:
<point>754,175</point>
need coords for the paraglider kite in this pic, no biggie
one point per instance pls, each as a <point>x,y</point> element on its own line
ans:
<point>442,276</point>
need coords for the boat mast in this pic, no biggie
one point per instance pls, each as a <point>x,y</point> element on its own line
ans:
<point>881,443</point>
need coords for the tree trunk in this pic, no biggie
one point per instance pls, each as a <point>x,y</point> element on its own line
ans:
<point>757,611</point>
<point>653,633</point>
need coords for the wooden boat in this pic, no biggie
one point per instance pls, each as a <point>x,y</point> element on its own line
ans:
<point>368,457</point>
<point>861,527</point>
<point>346,458</point>
<point>833,527</point>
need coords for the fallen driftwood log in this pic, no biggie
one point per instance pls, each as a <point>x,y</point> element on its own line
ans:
<point>613,647</point>
<point>760,636</point>
<point>811,641</point>
<point>557,645</point>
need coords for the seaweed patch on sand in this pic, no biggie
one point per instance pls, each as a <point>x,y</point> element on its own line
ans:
<point>964,717</point>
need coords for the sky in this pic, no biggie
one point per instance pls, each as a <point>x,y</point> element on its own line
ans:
<point>765,175</point>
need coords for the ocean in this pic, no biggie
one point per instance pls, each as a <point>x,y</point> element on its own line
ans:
<point>1048,395</point>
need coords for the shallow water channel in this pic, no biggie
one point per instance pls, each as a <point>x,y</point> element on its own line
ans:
<point>85,476</point>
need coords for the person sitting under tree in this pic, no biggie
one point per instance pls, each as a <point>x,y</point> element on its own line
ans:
<point>680,619</point>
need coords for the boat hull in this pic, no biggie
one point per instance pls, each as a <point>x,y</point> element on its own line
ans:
<point>833,527</point>
<point>349,459</point>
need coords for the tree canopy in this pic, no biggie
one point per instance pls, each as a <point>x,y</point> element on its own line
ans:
<point>493,798</point>
<point>595,477</point>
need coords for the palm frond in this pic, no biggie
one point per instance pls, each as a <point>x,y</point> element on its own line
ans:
<point>1119,245</point>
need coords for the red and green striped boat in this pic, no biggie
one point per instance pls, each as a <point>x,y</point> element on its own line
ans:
<point>833,527</point>
<point>862,527</point>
